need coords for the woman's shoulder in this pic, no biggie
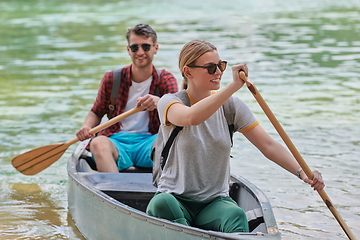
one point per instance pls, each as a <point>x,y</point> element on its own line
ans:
<point>235,106</point>
<point>168,98</point>
<point>235,102</point>
<point>180,95</point>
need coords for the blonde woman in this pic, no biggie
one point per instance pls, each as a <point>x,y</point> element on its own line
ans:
<point>193,188</point>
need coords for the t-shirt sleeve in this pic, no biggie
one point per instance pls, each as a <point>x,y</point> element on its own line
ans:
<point>163,105</point>
<point>244,119</point>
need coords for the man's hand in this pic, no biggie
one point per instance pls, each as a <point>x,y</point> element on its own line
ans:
<point>83,133</point>
<point>149,102</point>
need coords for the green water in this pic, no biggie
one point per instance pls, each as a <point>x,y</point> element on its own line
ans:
<point>303,56</point>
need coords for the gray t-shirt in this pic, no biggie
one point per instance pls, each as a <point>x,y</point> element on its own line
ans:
<point>198,164</point>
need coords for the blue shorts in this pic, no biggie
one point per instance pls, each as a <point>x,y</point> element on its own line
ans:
<point>134,149</point>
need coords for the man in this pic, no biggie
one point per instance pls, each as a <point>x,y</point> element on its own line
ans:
<point>129,143</point>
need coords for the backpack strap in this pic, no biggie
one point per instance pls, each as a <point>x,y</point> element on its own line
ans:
<point>228,110</point>
<point>116,87</point>
<point>166,149</point>
<point>157,91</point>
<point>165,152</point>
<point>114,91</point>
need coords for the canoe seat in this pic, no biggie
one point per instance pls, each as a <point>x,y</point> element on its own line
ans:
<point>255,218</point>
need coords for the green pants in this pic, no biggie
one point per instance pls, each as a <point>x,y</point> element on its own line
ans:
<point>220,214</point>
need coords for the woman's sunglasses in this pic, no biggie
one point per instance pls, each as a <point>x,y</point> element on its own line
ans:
<point>211,67</point>
<point>146,47</point>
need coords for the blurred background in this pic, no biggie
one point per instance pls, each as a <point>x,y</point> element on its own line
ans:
<point>303,56</point>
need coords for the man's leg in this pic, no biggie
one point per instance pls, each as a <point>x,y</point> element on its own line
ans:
<point>105,154</point>
<point>143,150</point>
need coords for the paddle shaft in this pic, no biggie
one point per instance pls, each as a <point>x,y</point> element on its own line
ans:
<point>108,123</point>
<point>295,152</point>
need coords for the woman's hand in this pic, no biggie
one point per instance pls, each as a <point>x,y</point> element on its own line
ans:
<point>236,69</point>
<point>317,182</point>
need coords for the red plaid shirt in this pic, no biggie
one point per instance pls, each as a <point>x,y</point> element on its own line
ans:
<point>166,84</point>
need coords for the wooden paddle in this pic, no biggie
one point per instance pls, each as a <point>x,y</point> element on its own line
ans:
<point>36,160</point>
<point>294,151</point>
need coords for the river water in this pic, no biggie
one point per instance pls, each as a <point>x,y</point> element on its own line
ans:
<point>303,56</point>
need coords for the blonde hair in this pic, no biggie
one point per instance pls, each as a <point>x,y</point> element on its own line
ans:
<point>190,53</point>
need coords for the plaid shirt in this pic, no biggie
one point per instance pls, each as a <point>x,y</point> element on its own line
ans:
<point>166,84</point>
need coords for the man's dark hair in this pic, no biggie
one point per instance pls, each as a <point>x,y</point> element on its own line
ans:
<point>142,30</point>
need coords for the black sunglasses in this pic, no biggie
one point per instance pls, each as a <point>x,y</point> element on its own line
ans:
<point>146,47</point>
<point>211,67</point>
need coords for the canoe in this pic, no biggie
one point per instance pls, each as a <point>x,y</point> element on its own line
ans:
<point>112,206</point>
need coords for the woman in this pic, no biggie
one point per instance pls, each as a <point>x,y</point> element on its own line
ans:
<point>193,188</point>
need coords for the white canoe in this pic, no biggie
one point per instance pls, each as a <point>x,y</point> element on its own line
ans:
<point>106,206</point>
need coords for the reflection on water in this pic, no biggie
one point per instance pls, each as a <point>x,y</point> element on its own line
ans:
<point>303,57</point>
<point>29,211</point>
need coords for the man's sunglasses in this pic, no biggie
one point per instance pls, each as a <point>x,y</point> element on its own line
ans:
<point>146,47</point>
<point>211,67</point>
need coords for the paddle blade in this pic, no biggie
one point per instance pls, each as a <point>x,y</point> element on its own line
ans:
<point>36,160</point>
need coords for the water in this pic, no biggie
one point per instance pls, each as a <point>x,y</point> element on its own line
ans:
<point>303,56</point>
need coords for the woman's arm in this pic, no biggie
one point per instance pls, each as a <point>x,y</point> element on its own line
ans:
<point>181,115</point>
<point>277,153</point>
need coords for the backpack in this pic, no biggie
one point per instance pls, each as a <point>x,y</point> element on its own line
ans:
<point>116,87</point>
<point>159,159</point>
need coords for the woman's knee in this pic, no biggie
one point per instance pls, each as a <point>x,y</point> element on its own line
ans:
<point>160,205</point>
<point>223,215</point>
<point>165,205</point>
<point>237,221</point>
